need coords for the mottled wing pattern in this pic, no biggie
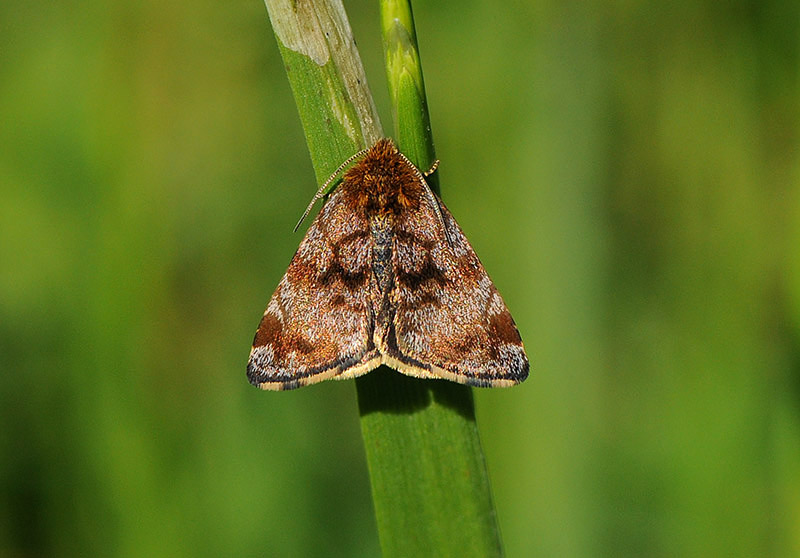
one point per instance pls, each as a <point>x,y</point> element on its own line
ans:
<point>449,321</point>
<point>319,324</point>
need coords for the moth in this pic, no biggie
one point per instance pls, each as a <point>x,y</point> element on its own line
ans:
<point>384,275</point>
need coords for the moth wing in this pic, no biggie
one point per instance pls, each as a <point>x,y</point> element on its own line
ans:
<point>450,321</point>
<point>319,323</point>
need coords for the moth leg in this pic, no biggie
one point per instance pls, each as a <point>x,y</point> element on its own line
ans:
<point>431,170</point>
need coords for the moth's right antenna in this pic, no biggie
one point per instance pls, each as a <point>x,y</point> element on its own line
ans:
<point>331,178</point>
<point>432,199</point>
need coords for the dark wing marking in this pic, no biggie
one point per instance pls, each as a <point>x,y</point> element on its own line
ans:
<point>319,323</point>
<point>449,320</point>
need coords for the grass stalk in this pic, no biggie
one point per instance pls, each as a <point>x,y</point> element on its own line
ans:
<point>429,481</point>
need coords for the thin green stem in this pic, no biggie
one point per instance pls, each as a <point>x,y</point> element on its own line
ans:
<point>430,486</point>
<point>412,127</point>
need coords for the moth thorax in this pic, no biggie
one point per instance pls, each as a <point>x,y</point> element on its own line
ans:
<point>378,197</point>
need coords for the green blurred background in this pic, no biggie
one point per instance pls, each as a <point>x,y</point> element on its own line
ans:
<point>627,171</point>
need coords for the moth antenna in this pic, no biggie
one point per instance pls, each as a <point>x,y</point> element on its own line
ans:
<point>432,199</point>
<point>331,178</point>
<point>435,202</point>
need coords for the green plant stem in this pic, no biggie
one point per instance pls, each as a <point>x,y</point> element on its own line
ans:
<point>327,78</point>
<point>429,482</point>
<point>430,486</point>
<point>412,126</point>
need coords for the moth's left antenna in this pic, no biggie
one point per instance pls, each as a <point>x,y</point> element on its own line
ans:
<point>324,187</point>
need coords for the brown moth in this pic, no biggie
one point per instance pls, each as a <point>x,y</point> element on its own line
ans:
<point>384,275</point>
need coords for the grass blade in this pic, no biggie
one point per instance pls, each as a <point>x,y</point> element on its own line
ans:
<point>429,481</point>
